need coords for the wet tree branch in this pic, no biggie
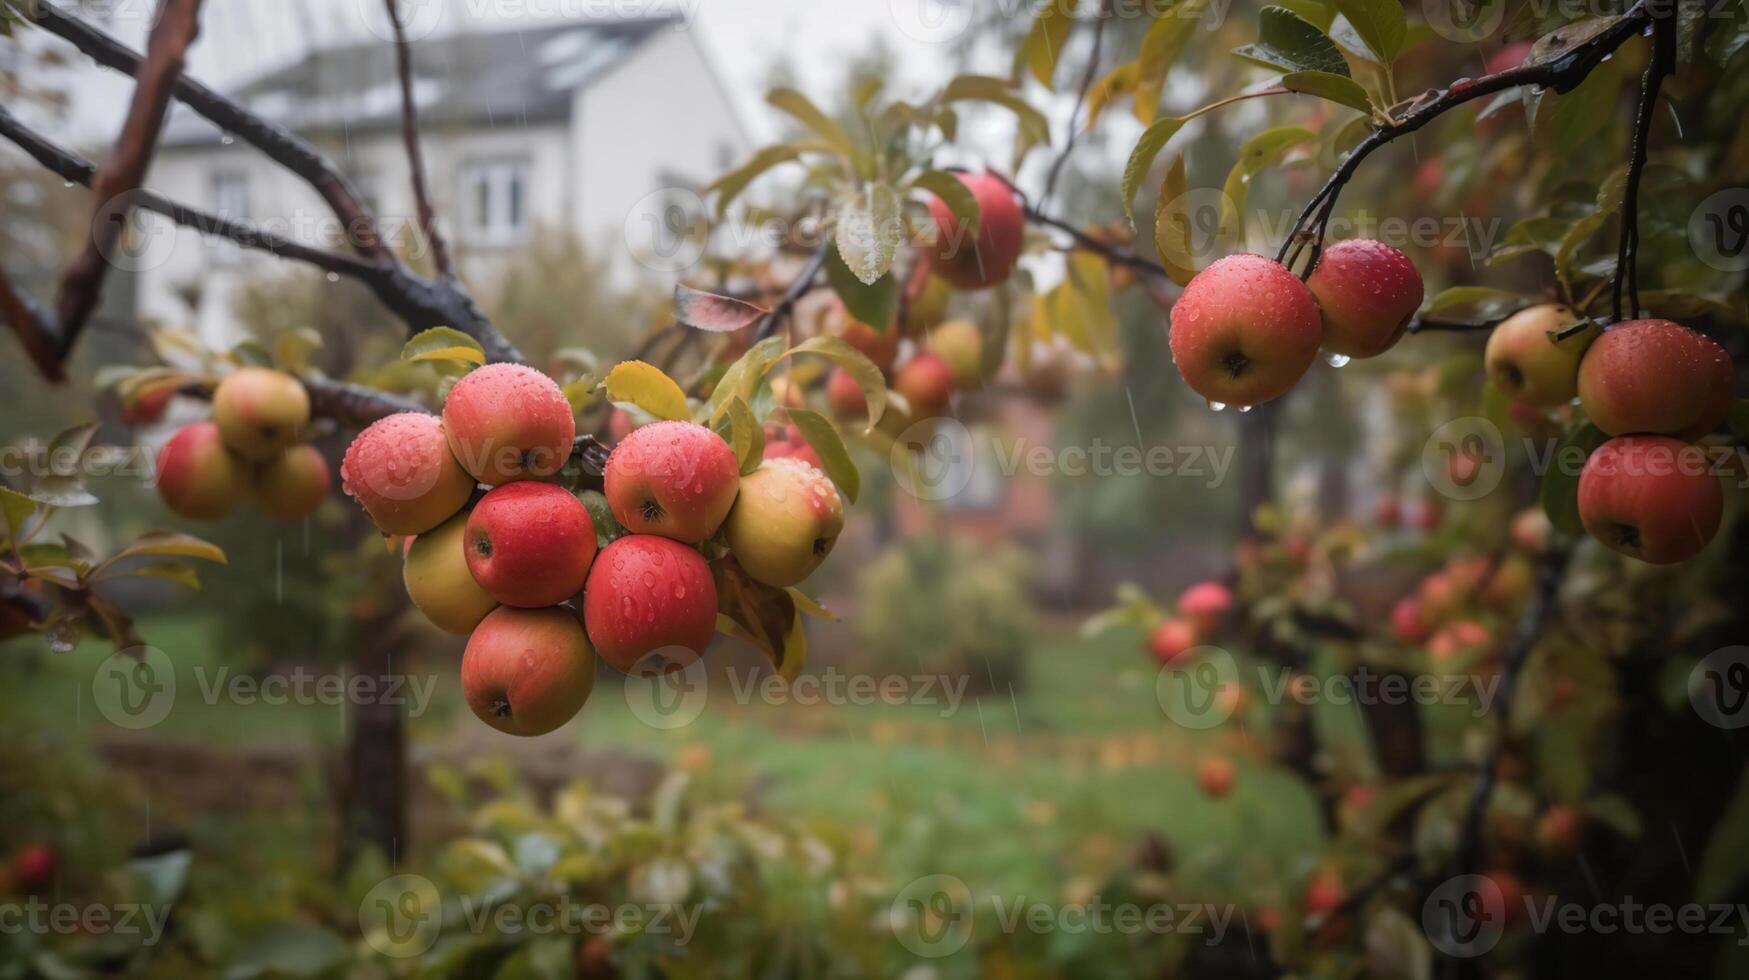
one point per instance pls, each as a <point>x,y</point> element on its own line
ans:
<point>1662,65</point>
<point>786,304</point>
<point>415,157</point>
<point>1087,77</point>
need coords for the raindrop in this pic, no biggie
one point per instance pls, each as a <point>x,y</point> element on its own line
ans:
<point>63,638</point>
<point>1337,360</point>
<point>66,183</point>
<point>1245,408</point>
<point>1217,406</point>
<point>227,139</point>
<point>333,277</point>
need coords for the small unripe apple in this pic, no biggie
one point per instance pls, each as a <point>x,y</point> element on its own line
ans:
<point>988,260</point>
<point>198,477</point>
<point>530,544</point>
<point>647,594</point>
<point>785,522</point>
<point>1524,361</point>
<point>435,571</point>
<point>878,345</point>
<point>1205,604</point>
<point>260,412</point>
<point>676,479</point>
<point>1244,330</point>
<point>292,486</point>
<point>1171,639</point>
<point>528,671</point>
<point>1368,291</point>
<point>508,422</point>
<point>961,344</point>
<point>845,396</point>
<point>927,382</point>
<point>1650,497</point>
<point>1215,776</point>
<point>34,868</point>
<point>148,408</point>
<point>401,471</point>
<point>1407,623</point>
<point>1656,377</point>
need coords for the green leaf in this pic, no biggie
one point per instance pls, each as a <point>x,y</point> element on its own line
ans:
<point>167,544</point>
<point>443,344</point>
<point>168,571</point>
<point>1380,23</point>
<point>1154,138</point>
<point>1172,225</point>
<point>762,615</point>
<point>1560,489</point>
<point>742,378</point>
<point>292,350</point>
<point>1035,129</point>
<point>808,114</point>
<point>956,195</point>
<point>746,435</point>
<point>64,486</point>
<point>873,303</point>
<point>1256,155</point>
<point>829,446</point>
<point>1056,18</point>
<point>730,185</point>
<point>645,386</point>
<point>709,311</point>
<point>1725,862</point>
<point>870,228</point>
<point>1161,47</point>
<point>16,508</point>
<point>1290,43</point>
<point>290,950</point>
<point>1335,88</point>
<point>863,371</point>
<point>1456,297</point>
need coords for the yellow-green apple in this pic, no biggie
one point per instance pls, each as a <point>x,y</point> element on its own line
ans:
<point>293,485</point>
<point>1244,330</point>
<point>676,479</point>
<point>198,477</point>
<point>438,581</point>
<point>1205,604</point>
<point>1530,531</point>
<point>1171,639</point>
<point>787,394</point>
<point>961,344</point>
<point>785,522</point>
<point>528,671</point>
<point>877,344</point>
<point>1524,361</point>
<point>1511,582</point>
<point>987,259</point>
<point>401,471</point>
<point>1407,623</point>
<point>260,412</point>
<point>530,544</point>
<point>1656,377</point>
<point>926,298</point>
<point>927,382</point>
<point>650,595</point>
<point>508,422</point>
<point>1367,291</point>
<point>34,867</point>
<point>1215,776</point>
<point>1650,497</point>
<point>845,397</point>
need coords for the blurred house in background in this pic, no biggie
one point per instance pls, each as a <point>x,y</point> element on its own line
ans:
<point>565,128</point>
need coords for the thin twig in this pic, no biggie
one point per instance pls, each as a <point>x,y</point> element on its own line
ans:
<point>415,157</point>
<point>1662,64</point>
<point>799,287</point>
<point>1087,77</point>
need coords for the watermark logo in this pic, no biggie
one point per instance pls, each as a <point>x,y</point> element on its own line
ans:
<point>665,698</point>
<point>932,21</point>
<point>135,688</point>
<point>932,916</point>
<point>402,916</point>
<point>1718,230</point>
<point>130,238</point>
<point>933,459</point>
<point>1718,687</point>
<point>419,18</point>
<point>1199,688</point>
<point>1465,459</point>
<point>666,230</point>
<point>1191,235</point>
<point>1465,916</point>
<point>1464,21</point>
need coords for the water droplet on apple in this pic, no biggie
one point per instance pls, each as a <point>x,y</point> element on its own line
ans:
<point>1337,360</point>
<point>1217,406</point>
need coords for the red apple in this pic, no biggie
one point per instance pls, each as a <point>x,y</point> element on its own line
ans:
<point>1171,639</point>
<point>1530,531</point>
<point>1558,831</point>
<point>648,594</point>
<point>1244,330</point>
<point>1368,291</point>
<point>148,408</point>
<point>401,471</point>
<point>530,544</point>
<point>676,479</point>
<point>1389,512</point>
<point>989,259</point>
<point>845,396</point>
<point>1656,377</point>
<point>1205,604</point>
<point>927,383</point>
<point>198,477</point>
<point>291,487</point>
<point>1466,637</point>
<point>1324,893</point>
<point>1429,516</point>
<point>1215,776</point>
<point>878,345</point>
<point>508,422</point>
<point>619,424</point>
<point>1406,621</point>
<point>788,443</point>
<point>260,412</point>
<point>34,868</point>
<point>1651,498</point>
<point>527,671</point>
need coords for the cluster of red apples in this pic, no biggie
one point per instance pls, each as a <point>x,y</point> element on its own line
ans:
<point>1446,615</point>
<point>1653,387</point>
<point>251,449</point>
<point>519,572</point>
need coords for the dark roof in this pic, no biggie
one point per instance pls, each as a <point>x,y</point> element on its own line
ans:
<point>501,78</point>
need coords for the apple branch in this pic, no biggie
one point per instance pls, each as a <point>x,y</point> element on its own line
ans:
<point>415,157</point>
<point>1562,73</point>
<point>1102,15</point>
<point>786,304</point>
<point>1662,65</point>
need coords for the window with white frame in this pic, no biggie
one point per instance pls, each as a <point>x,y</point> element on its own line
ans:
<point>494,195</point>
<point>230,200</point>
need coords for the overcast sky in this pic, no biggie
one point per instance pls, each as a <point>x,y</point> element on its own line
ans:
<point>243,37</point>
